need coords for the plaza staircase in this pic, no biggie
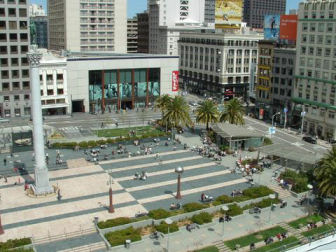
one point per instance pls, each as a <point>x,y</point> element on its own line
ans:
<point>221,246</point>
<point>282,193</point>
<point>293,232</point>
<point>98,246</point>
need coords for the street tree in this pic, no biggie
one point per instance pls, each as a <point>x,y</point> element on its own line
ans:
<point>233,112</point>
<point>162,103</point>
<point>177,113</point>
<point>325,174</point>
<point>207,112</point>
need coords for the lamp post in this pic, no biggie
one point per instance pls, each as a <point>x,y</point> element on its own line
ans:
<point>168,221</point>
<point>179,170</point>
<point>224,208</point>
<point>111,208</point>
<point>303,113</point>
<point>272,197</point>
<point>1,228</point>
<point>310,187</point>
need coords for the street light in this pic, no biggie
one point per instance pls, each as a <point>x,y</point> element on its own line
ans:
<point>168,221</point>
<point>310,187</point>
<point>278,113</point>
<point>224,208</point>
<point>272,197</point>
<point>179,170</point>
<point>111,208</point>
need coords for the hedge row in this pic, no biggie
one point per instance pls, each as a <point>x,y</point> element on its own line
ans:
<point>118,237</point>
<point>298,180</point>
<point>14,243</point>
<point>91,144</point>
<point>262,204</point>
<point>248,194</point>
<point>163,227</point>
<point>202,218</point>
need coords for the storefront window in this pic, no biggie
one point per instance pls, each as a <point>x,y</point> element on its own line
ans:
<point>125,84</point>
<point>140,82</point>
<point>95,86</point>
<point>111,85</point>
<point>154,82</point>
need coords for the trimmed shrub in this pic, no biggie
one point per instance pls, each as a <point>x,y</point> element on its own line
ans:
<point>92,143</point>
<point>100,142</point>
<point>163,227</point>
<point>4,246</point>
<point>118,237</point>
<point>234,210</point>
<point>158,214</point>
<point>193,206</point>
<point>83,144</point>
<point>257,192</point>
<point>114,222</point>
<point>110,141</point>
<point>267,141</point>
<point>298,180</point>
<point>202,218</point>
<point>223,199</point>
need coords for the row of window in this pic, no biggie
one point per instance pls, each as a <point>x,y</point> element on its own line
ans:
<point>318,39</point>
<point>318,27</point>
<point>13,49</point>
<point>6,98</point>
<point>15,85</point>
<point>17,112</point>
<point>12,12</point>
<point>5,62</point>
<point>13,1</point>
<point>14,74</point>
<point>317,51</point>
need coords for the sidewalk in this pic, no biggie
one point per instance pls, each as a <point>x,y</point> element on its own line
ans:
<point>184,240</point>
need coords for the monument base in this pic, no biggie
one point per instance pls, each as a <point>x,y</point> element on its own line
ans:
<point>42,185</point>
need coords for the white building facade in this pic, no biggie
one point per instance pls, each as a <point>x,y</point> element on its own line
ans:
<point>84,25</point>
<point>315,72</point>
<point>167,19</point>
<point>217,65</point>
<point>54,86</point>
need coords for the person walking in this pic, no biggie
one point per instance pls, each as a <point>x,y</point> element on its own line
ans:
<point>5,161</point>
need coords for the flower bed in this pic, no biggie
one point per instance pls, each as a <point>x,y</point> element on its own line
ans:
<point>4,246</point>
<point>119,237</point>
<point>255,237</point>
<point>302,222</point>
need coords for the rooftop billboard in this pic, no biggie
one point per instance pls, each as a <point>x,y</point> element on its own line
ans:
<point>288,27</point>
<point>228,13</point>
<point>272,27</point>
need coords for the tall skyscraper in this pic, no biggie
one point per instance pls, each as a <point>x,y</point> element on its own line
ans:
<point>14,67</point>
<point>132,35</point>
<point>256,10</point>
<point>315,73</point>
<point>83,25</point>
<point>209,11</point>
<point>143,32</point>
<point>40,20</point>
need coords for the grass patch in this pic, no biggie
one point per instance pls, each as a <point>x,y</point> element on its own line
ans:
<point>255,237</point>
<point>319,230</point>
<point>139,131</point>
<point>4,246</point>
<point>302,222</point>
<point>119,237</point>
<point>279,246</point>
<point>208,249</point>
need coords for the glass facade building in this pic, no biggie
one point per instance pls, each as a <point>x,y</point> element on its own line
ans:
<point>123,88</point>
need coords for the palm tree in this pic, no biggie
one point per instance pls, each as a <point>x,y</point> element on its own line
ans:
<point>233,112</point>
<point>325,174</point>
<point>177,112</point>
<point>206,113</point>
<point>162,103</point>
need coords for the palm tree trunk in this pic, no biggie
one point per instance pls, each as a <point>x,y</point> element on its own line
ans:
<point>207,126</point>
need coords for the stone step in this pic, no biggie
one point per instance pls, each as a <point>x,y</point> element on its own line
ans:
<point>281,192</point>
<point>221,246</point>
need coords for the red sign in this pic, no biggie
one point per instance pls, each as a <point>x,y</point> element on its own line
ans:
<point>261,114</point>
<point>288,27</point>
<point>175,81</point>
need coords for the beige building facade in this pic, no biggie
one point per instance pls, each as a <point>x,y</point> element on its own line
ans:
<point>83,25</point>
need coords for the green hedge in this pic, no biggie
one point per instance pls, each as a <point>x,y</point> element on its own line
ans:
<point>163,227</point>
<point>14,243</point>
<point>194,206</point>
<point>118,237</point>
<point>208,249</point>
<point>299,180</point>
<point>234,210</point>
<point>114,222</point>
<point>319,230</point>
<point>158,214</point>
<point>263,203</point>
<point>267,141</point>
<point>202,218</point>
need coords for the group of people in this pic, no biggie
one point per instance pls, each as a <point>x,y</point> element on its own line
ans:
<point>236,193</point>
<point>143,175</point>
<point>311,225</point>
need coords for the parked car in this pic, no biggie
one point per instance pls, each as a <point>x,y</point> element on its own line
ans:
<point>309,139</point>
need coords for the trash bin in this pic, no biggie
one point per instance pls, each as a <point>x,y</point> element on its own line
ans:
<point>127,243</point>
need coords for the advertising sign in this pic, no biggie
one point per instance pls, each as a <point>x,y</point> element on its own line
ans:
<point>175,81</point>
<point>272,27</point>
<point>261,114</point>
<point>228,13</point>
<point>288,27</point>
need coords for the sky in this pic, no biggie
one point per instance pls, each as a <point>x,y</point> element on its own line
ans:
<point>136,6</point>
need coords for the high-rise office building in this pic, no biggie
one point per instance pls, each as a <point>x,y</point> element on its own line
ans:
<point>209,11</point>
<point>132,35</point>
<point>315,73</point>
<point>83,25</point>
<point>14,67</point>
<point>143,32</point>
<point>41,24</point>
<point>167,19</point>
<point>256,10</point>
